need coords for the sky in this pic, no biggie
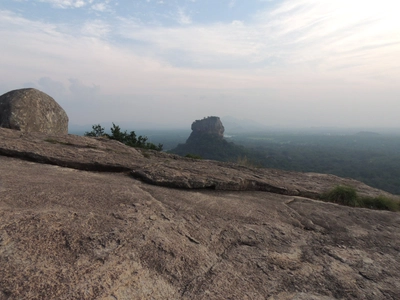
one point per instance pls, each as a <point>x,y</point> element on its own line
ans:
<point>166,63</point>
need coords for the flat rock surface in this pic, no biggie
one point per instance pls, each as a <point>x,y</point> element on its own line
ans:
<point>72,234</point>
<point>78,220</point>
<point>100,154</point>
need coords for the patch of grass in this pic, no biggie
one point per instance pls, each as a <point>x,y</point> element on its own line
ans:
<point>380,202</point>
<point>347,195</point>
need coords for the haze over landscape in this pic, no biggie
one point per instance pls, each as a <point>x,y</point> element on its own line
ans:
<point>198,149</point>
<point>296,63</point>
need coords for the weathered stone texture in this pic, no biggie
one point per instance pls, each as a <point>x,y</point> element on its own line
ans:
<point>158,168</point>
<point>30,110</point>
<point>67,232</point>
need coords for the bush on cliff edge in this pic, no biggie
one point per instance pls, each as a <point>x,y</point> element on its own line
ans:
<point>129,139</point>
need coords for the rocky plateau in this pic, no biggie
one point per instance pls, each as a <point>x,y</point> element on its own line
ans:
<point>90,218</point>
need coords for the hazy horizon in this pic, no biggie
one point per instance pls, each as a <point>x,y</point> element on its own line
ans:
<point>232,125</point>
<point>284,64</point>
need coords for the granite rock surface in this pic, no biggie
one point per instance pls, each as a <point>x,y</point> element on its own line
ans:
<point>90,218</point>
<point>30,110</point>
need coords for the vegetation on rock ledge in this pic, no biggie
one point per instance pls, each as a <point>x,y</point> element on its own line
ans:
<point>347,195</point>
<point>129,139</point>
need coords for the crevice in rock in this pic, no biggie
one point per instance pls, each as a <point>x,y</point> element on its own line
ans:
<point>33,157</point>
<point>179,184</point>
<point>365,276</point>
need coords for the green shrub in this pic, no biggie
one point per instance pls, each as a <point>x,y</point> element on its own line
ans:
<point>97,131</point>
<point>380,202</point>
<point>129,139</point>
<point>347,195</point>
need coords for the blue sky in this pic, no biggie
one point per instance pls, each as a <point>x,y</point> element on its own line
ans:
<point>288,63</point>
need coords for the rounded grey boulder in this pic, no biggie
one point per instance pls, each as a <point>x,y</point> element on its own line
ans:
<point>31,110</point>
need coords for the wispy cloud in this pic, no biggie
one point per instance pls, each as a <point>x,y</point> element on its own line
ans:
<point>336,34</point>
<point>299,55</point>
<point>183,18</point>
<point>100,6</point>
<point>322,35</point>
<point>96,5</point>
<point>362,38</point>
<point>67,3</point>
<point>96,28</point>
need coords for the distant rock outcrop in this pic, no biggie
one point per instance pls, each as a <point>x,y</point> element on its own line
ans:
<point>31,110</point>
<point>209,126</point>
<point>207,140</point>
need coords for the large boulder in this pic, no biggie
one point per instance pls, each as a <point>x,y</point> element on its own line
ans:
<point>31,110</point>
